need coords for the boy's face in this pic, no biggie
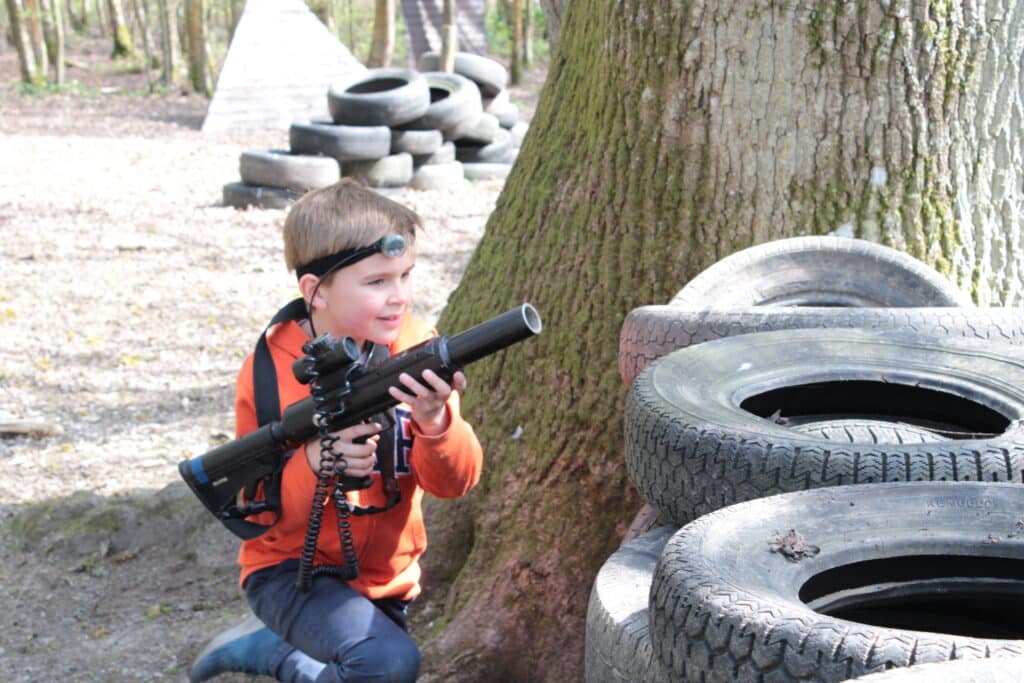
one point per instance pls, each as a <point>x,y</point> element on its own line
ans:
<point>366,301</point>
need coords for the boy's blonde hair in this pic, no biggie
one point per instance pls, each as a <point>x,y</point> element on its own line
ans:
<point>346,215</point>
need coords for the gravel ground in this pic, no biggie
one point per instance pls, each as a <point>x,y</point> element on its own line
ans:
<point>128,298</point>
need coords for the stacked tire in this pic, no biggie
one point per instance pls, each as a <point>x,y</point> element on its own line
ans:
<point>809,367</point>
<point>392,128</point>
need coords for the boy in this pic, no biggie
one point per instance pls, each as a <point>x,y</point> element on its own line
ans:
<point>352,251</point>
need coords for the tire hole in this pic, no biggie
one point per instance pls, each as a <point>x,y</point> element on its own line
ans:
<point>972,596</point>
<point>951,416</point>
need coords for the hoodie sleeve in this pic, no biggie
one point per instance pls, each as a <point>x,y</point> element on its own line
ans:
<point>446,465</point>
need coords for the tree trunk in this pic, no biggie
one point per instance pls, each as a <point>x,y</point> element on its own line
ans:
<point>123,45</point>
<point>139,9</point>
<point>516,67</point>
<point>196,32</point>
<point>168,42</point>
<point>553,10</point>
<point>101,17</point>
<point>528,34</point>
<point>33,22</point>
<point>22,41</point>
<point>53,33</point>
<point>235,7</point>
<point>449,37</point>
<point>383,34</point>
<point>667,136</point>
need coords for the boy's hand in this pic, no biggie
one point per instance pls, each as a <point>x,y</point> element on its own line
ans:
<point>427,399</point>
<point>359,457</point>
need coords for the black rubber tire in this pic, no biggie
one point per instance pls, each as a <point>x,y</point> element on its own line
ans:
<point>444,155</point>
<point>1002,670</point>
<point>496,151</point>
<point>490,76</point>
<point>421,142</point>
<point>618,645</point>
<point>344,143</point>
<point>819,271</point>
<point>438,177</point>
<point>507,116</point>
<point>242,196</point>
<point>394,170</point>
<point>725,607</point>
<point>861,430</point>
<point>650,332</point>
<point>379,97</point>
<point>486,171</point>
<point>691,449</point>
<point>454,101</point>
<point>281,168</point>
<point>482,131</point>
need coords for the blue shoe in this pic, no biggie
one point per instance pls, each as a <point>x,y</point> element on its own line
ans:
<point>248,647</point>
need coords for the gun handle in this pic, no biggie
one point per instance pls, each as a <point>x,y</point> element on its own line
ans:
<point>355,483</point>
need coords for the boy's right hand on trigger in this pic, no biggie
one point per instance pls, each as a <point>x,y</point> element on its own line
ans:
<point>359,457</point>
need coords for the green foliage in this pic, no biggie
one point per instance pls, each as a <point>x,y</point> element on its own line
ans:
<point>73,87</point>
<point>498,30</point>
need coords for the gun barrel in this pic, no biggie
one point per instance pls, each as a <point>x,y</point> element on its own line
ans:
<point>494,335</point>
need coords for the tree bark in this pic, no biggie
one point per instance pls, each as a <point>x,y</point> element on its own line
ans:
<point>516,70</point>
<point>53,33</point>
<point>168,42</point>
<point>553,11</point>
<point>32,16</point>
<point>123,45</point>
<point>139,10</point>
<point>528,34</point>
<point>22,41</point>
<point>196,32</point>
<point>667,136</point>
<point>383,45</point>
<point>449,37</point>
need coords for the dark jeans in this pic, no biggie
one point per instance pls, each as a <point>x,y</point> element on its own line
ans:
<point>344,636</point>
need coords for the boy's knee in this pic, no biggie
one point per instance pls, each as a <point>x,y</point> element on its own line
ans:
<point>374,660</point>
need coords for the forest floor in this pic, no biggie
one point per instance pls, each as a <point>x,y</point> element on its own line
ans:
<point>128,299</point>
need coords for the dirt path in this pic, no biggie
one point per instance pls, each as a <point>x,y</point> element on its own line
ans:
<point>128,298</point>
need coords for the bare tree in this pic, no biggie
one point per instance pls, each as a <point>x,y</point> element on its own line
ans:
<point>383,45</point>
<point>449,37</point>
<point>32,16</point>
<point>53,34</point>
<point>123,45</point>
<point>139,10</point>
<point>667,136</point>
<point>196,46</point>
<point>22,42</point>
<point>167,10</point>
<point>516,66</point>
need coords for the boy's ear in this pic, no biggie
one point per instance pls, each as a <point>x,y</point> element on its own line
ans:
<point>307,285</point>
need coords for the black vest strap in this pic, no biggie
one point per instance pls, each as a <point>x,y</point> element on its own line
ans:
<point>264,377</point>
<point>268,409</point>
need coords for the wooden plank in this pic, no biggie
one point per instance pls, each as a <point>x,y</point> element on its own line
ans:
<point>278,68</point>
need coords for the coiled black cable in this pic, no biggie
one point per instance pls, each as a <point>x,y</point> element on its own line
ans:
<point>329,471</point>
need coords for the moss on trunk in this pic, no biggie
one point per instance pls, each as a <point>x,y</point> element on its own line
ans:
<point>667,136</point>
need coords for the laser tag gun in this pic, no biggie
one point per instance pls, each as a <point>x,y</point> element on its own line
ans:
<point>228,476</point>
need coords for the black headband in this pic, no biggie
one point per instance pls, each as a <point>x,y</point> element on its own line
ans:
<point>389,245</point>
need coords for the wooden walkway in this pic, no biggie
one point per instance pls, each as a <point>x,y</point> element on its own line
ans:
<point>423,23</point>
<point>278,68</point>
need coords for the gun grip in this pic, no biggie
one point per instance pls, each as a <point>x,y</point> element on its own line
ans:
<point>355,483</point>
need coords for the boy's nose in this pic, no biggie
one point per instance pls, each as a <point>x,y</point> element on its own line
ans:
<point>400,293</point>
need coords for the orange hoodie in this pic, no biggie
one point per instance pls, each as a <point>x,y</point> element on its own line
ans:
<point>388,544</point>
